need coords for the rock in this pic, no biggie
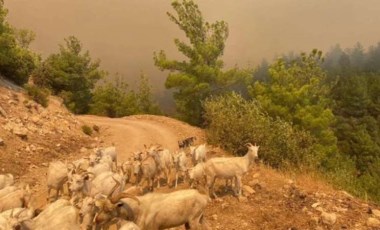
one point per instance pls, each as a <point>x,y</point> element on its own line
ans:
<point>375,212</point>
<point>12,102</point>
<point>225,205</point>
<point>290,181</point>
<point>253,182</point>
<point>256,175</point>
<point>21,132</point>
<point>247,190</point>
<point>373,222</point>
<point>83,150</point>
<point>315,205</point>
<point>242,199</point>
<point>315,219</point>
<point>328,218</point>
<point>2,112</point>
<point>1,142</point>
<point>215,217</point>
<point>45,164</point>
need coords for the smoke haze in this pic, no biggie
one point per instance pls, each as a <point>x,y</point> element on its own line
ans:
<point>125,33</point>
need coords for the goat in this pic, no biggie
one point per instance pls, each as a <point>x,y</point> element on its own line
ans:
<point>230,167</point>
<point>57,176</point>
<point>15,215</point>
<point>6,180</point>
<point>81,185</point>
<point>7,190</point>
<point>196,174</point>
<point>186,142</point>
<point>156,211</point>
<point>164,161</point>
<point>82,163</point>
<point>128,225</point>
<point>111,151</point>
<point>100,168</point>
<point>62,216</point>
<point>127,169</point>
<point>181,166</point>
<point>147,170</point>
<point>198,154</point>
<point>19,198</point>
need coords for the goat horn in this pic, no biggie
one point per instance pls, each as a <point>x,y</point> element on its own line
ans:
<point>248,144</point>
<point>114,200</point>
<point>70,163</point>
<point>114,187</point>
<point>88,173</point>
<point>18,214</point>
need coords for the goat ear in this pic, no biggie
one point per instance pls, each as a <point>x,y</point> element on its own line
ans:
<point>119,204</point>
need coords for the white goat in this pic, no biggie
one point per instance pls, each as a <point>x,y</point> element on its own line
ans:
<point>110,151</point>
<point>230,167</point>
<point>19,198</point>
<point>197,174</point>
<point>147,170</point>
<point>156,211</point>
<point>100,168</point>
<point>164,162</point>
<point>198,153</point>
<point>57,176</point>
<point>181,162</point>
<point>127,169</point>
<point>128,225</point>
<point>7,190</point>
<point>6,180</point>
<point>103,183</point>
<point>63,217</point>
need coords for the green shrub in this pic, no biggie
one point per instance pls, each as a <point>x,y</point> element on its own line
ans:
<point>39,95</point>
<point>87,130</point>
<point>233,121</point>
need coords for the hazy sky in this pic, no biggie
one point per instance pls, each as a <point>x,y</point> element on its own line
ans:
<point>125,33</point>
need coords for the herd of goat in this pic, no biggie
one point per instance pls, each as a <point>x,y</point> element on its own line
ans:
<point>102,192</point>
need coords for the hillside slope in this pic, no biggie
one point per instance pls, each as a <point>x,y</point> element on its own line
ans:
<point>33,136</point>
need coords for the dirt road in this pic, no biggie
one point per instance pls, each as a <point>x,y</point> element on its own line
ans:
<point>129,134</point>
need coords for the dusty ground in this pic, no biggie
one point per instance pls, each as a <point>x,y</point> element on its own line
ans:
<point>278,201</point>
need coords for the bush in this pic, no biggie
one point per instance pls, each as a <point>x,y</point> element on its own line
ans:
<point>87,130</point>
<point>39,95</point>
<point>232,122</point>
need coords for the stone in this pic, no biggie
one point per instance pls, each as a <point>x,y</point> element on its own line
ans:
<point>373,222</point>
<point>375,212</point>
<point>247,190</point>
<point>242,199</point>
<point>315,205</point>
<point>315,219</point>
<point>2,112</point>
<point>1,142</point>
<point>328,218</point>
<point>83,150</point>
<point>256,175</point>
<point>215,217</point>
<point>21,132</point>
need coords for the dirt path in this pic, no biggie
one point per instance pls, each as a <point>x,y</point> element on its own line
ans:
<point>129,134</point>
